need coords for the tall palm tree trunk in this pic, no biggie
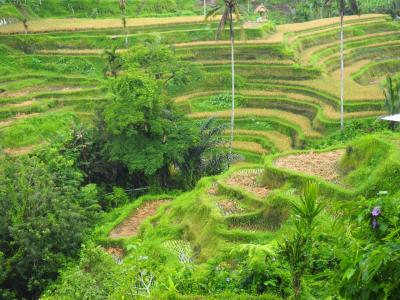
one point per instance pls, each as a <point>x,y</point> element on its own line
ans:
<point>122,6</point>
<point>342,69</point>
<point>233,82</point>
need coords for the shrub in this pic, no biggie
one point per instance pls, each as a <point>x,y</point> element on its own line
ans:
<point>117,198</point>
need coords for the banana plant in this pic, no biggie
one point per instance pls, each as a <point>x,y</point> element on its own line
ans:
<point>297,248</point>
<point>391,92</point>
<point>114,62</point>
<point>353,7</point>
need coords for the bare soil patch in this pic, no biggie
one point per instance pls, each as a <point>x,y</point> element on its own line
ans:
<point>22,104</point>
<point>130,226</point>
<point>229,207</point>
<point>213,191</point>
<point>247,180</point>
<point>116,252</point>
<point>323,165</point>
<point>19,116</point>
<point>19,151</point>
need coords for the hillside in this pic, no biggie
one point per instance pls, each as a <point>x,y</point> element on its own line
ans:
<point>288,79</point>
<point>118,182</point>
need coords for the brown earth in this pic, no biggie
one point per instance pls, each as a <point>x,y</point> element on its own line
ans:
<point>247,180</point>
<point>116,252</point>
<point>130,226</point>
<point>323,165</point>
<point>229,207</point>
<point>213,191</point>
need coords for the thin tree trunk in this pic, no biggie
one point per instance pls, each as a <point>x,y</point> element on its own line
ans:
<point>233,83</point>
<point>26,29</point>
<point>205,7</point>
<point>125,31</point>
<point>342,70</point>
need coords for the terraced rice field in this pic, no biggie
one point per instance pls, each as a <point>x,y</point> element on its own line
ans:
<point>324,165</point>
<point>290,79</point>
<point>130,226</point>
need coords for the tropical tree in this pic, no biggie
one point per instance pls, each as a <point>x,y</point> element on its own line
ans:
<point>22,17</point>
<point>297,248</point>
<point>204,157</point>
<point>122,7</point>
<point>353,7</point>
<point>42,202</point>
<point>25,23</point>
<point>392,98</point>
<point>229,8</point>
<point>114,62</point>
<point>143,131</point>
<point>161,63</point>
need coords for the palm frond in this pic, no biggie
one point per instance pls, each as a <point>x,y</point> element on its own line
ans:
<point>222,23</point>
<point>213,11</point>
<point>355,7</point>
<point>308,207</point>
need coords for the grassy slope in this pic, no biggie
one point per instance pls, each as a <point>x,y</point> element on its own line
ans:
<point>197,221</point>
<point>301,107</point>
<point>304,101</point>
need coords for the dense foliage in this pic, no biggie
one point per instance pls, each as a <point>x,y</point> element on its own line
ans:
<point>45,215</point>
<point>308,238</point>
<point>279,10</point>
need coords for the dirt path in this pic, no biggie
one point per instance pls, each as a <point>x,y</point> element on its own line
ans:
<point>130,226</point>
<point>75,24</point>
<point>322,165</point>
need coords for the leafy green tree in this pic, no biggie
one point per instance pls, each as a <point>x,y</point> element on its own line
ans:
<point>392,98</point>
<point>94,277</point>
<point>370,255</point>
<point>160,62</point>
<point>145,134</point>
<point>44,217</point>
<point>229,8</point>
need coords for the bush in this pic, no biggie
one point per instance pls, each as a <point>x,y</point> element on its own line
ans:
<point>117,198</point>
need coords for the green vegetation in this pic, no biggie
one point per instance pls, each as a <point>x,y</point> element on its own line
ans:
<point>116,180</point>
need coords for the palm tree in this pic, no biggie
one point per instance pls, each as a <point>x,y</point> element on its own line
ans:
<point>114,62</point>
<point>122,7</point>
<point>229,8</point>
<point>392,98</point>
<point>25,23</point>
<point>24,18</point>
<point>354,8</point>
